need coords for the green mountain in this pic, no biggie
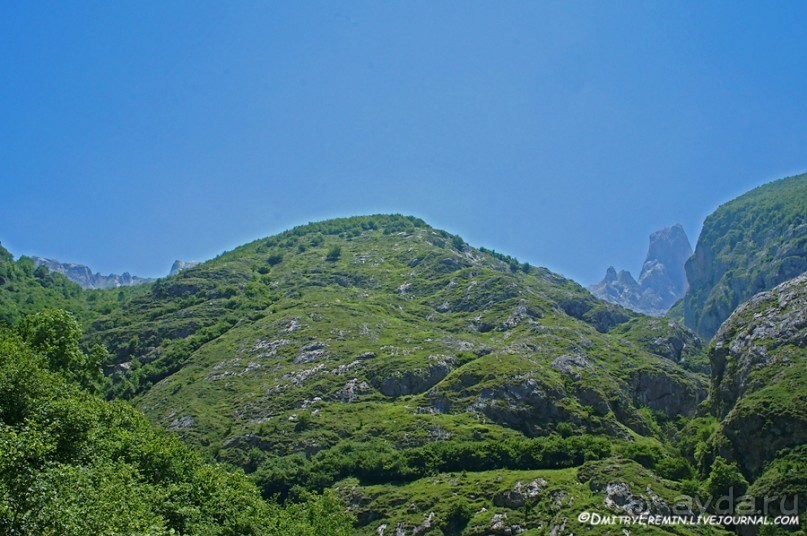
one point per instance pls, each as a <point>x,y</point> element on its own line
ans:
<point>747,245</point>
<point>430,386</point>
<point>381,350</point>
<point>376,310</point>
<point>759,392</point>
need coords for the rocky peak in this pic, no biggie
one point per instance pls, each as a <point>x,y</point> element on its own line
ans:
<point>84,276</point>
<point>663,269</point>
<point>625,277</point>
<point>662,280</point>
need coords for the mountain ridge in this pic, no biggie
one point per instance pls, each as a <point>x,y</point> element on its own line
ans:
<point>748,245</point>
<point>84,276</point>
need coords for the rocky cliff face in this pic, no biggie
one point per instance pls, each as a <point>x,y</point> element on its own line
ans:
<point>759,376</point>
<point>663,270</point>
<point>662,280</point>
<point>748,245</point>
<point>178,266</point>
<point>78,273</point>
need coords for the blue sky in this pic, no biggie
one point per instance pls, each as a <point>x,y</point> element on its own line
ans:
<point>563,133</point>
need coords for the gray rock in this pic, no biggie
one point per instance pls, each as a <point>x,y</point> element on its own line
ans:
<point>314,351</point>
<point>662,280</point>
<point>572,365</point>
<point>264,348</point>
<point>558,529</point>
<point>666,391</point>
<point>352,390</point>
<point>757,350</point>
<point>499,526</point>
<point>178,266</point>
<point>520,494</point>
<point>620,498</point>
<point>523,402</point>
<point>424,527</point>
<point>299,377</point>
<point>671,340</point>
<point>182,423</point>
<point>663,269</point>
<point>417,380</point>
<point>84,276</point>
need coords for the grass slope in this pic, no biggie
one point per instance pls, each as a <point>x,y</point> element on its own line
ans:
<point>381,349</point>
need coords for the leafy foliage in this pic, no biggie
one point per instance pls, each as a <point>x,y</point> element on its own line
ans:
<point>71,463</point>
<point>55,334</point>
<point>724,479</point>
<point>25,288</point>
<point>334,253</point>
<point>378,461</point>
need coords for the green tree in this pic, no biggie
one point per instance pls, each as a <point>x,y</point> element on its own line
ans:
<point>55,334</point>
<point>675,468</point>
<point>646,454</point>
<point>73,464</point>
<point>724,479</point>
<point>333,254</point>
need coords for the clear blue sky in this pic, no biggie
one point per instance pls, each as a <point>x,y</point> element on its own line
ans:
<point>563,133</point>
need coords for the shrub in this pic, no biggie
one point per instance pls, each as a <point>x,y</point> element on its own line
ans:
<point>333,254</point>
<point>645,454</point>
<point>724,479</point>
<point>675,469</point>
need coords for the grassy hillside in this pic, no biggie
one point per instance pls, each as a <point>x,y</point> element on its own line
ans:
<point>748,245</point>
<point>432,386</point>
<point>535,502</point>
<point>380,349</point>
<point>378,309</point>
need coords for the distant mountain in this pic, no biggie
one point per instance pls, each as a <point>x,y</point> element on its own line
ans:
<point>662,280</point>
<point>747,245</point>
<point>178,266</point>
<point>84,276</point>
